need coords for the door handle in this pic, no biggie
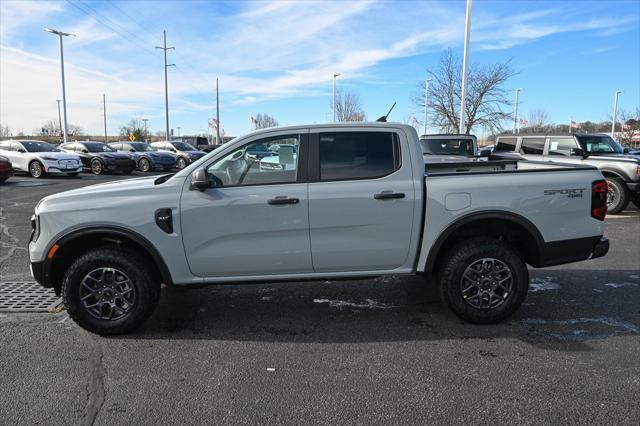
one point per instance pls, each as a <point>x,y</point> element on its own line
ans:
<point>388,195</point>
<point>278,201</point>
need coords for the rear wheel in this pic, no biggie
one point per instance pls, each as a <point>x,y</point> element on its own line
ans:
<point>96,167</point>
<point>110,290</point>
<point>144,165</point>
<point>36,169</point>
<point>617,196</point>
<point>483,280</point>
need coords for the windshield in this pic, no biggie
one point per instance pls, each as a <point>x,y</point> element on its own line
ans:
<point>98,147</point>
<point>447,146</point>
<point>181,146</point>
<point>39,147</point>
<point>599,144</point>
<point>142,147</point>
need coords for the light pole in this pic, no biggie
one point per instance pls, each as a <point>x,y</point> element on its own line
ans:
<point>166,84</point>
<point>615,112</point>
<point>515,113</point>
<point>60,34</point>
<point>104,111</point>
<point>467,35</point>
<point>333,105</point>
<point>59,115</point>
<point>145,128</point>
<point>426,103</point>
<point>217,114</point>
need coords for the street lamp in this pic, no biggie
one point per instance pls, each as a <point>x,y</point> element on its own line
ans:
<point>515,114</point>
<point>615,112</point>
<point>59,116</point>
<point>465,57</point>
<point>60,34</point>
<point>333,105</point>
<point>426,103</point>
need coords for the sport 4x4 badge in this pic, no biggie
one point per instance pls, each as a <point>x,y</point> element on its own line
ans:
<point>570,193</point>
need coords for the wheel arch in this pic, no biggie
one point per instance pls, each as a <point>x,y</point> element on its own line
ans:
<point>78,241</point>
<point>510,227</point>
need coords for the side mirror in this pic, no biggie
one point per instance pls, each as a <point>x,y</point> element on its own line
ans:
<point>578,152</point>
<point>85,150</point>
<point>21,150</point>
<point>485,153</point>
<point>132,150</point>
<point>199,180</point>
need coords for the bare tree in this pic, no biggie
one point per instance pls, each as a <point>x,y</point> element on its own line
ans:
<point>348,107</point>
<point>136,128</point>
<point>538,119</point>
<point>487,102</point>
<point>264,121</point>
<point>52,128</point>
<point>630,125</point>
<point>5,131</point>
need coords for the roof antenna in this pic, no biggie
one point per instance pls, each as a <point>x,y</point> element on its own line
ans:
<point>383,119</point>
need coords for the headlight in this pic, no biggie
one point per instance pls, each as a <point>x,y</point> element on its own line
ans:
<point>35,227</point>
<point>638,171</point>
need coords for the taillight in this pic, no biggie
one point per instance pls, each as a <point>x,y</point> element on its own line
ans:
<point>599,189</point>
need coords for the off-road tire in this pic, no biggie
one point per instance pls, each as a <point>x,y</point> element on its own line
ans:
<point>465,254</point>
<point>619,194</point>
<point>36,169</point>
<point>147,290</point>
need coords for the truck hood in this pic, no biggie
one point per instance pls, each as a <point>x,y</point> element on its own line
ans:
<point>102,195</point>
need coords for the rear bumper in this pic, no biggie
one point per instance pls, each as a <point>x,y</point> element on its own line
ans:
<point>574,250</point>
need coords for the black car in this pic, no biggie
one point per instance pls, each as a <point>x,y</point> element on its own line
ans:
<point>147,157</point>
<point>99,158</point>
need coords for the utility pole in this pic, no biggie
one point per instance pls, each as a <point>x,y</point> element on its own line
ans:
<point>515,113</point>
<point>615,112</point>
<point>426,103</point>
<point>104,111</point>
<point>333,105</point>
<point>178,130</point>
<point>60,34</point>
<point>145,128</point>
<point>217,114</point>
<point>465,58</point>
<point>59,116</point>
<point>166,84</point>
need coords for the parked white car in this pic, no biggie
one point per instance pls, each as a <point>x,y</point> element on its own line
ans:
<point>39,158</point>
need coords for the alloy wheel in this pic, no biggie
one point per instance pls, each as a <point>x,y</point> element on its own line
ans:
<point>107,294</point>
<point>181,163</point>
<point>35,169</point>
<point>486,283</point>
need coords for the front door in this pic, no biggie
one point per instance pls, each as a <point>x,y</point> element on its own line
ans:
<point>361,206</point>
<point>254,219</point>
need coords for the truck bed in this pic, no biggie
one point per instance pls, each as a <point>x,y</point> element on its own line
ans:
<point>471,166</point>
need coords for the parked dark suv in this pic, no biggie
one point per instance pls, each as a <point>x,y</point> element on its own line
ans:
<point>147,157</point>
<point>621,169</point>
<point>99,158</point>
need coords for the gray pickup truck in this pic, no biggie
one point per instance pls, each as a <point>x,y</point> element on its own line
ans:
<point>622,170</point>
<point>342,201</point>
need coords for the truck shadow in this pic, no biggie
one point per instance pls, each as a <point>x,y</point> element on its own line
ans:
<point>565,310</point>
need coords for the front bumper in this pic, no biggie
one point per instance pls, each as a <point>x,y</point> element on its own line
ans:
<point>40,274</point>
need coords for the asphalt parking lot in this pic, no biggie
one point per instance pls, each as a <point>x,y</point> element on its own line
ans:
<point>376,351</point>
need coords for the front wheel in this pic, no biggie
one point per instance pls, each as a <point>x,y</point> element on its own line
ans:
<point>36,170</point>
<point>181,163</point>
<point>110,290</point>
<point>483,280</point>
<point>617,196</point>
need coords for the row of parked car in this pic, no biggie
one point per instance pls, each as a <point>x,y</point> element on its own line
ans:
<point>38,158</point>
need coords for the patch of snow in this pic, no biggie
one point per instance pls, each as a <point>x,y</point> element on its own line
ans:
<point>266,298</point>
<point>341,304</point>
<point>634,276</point>
<point>618,285</point>
<point>618,327</point>
<point>543,284</point>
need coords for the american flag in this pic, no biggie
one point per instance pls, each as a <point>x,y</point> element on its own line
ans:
<point>414,121</point>
<point>524,122</point>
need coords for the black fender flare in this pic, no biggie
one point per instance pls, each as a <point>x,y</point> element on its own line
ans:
<point>117,232</point>
<point>477,216</point>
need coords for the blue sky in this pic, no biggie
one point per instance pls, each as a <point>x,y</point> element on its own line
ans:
<point>279,57</point>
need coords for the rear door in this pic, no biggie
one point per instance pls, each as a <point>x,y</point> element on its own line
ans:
<point>533,147</point>
<point>361,200</point>
<point>563,149</point>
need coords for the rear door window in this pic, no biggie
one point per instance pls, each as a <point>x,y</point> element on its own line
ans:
<point>358,155</point>
<point>506,144</point>
<point>561,146</point>
<point>532,145</point>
